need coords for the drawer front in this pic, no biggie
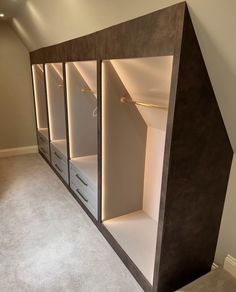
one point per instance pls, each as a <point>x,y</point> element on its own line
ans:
<point>80,173</point>
<point>80,181</point>
<point>44,148</point>
<point>61,167</point>
<point>57,154</point>
<point>85,199</point>
<point>82,189</point>
<point>42,139</point>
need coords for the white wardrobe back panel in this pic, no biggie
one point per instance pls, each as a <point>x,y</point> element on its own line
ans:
<point>81,108</point>
<point>56,101</point>
<point>40,96</point>
<point>153,171</point>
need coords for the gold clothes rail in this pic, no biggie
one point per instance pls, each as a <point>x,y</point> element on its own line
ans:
<point>126,100</point>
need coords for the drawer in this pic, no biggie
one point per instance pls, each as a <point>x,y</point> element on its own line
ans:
<point>82,189</point>
<point>44,148</point>
<point>78,172</point>
<point>45,151</point>
<point>81,182</point>
<point>42,139</point>
<point>85,198</point>
<point>55,152</point>
<point>60,166</point>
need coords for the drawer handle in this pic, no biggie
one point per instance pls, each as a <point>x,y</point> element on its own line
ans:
<point>77,190</point>
<point>57,155</point>
<point>81,180</point>
<point>58,167</point>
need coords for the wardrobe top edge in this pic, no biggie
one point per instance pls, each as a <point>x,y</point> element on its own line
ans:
<point>179,6</point>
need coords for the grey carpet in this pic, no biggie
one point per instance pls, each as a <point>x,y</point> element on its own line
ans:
<point>47,242</point>
<point>218,280</point>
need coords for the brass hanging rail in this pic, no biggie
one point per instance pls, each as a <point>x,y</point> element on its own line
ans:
<point>87,90</point>
<point>126,100</point>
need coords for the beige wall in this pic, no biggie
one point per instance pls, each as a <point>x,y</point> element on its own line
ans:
<point>16,101</point>
<point>227,238</point>
<point>42,23</point>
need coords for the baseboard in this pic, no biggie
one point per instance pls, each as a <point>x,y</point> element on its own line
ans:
<point>230,265</point>
<point>214,267</point>
<point>18,151</point>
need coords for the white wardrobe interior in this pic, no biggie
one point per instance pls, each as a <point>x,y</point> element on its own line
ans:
<point>56,106</point>
<point>133,142</point>
<point>40,99</point>
<point>82,116</point>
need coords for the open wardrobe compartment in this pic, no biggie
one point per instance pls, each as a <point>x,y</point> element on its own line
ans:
<point>133,115</point>
<point>57,118</point>
<point>135,98</point>
<point>82,113</point>
<point>41,109</point>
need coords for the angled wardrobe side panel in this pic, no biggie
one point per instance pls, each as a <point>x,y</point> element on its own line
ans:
<point>199,169</point>
<point>125,143</point>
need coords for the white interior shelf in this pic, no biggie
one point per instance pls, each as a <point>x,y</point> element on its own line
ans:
<point>136,233</point>
<point>88,165</point>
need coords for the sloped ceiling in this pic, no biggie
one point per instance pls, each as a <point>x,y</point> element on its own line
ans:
<point>42,23</point>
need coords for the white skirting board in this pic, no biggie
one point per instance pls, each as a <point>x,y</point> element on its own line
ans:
<point>18,151</point>
<point>230,265</point>
<point>214,266</point>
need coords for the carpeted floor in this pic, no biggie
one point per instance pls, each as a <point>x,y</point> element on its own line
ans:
<point>47,242</point>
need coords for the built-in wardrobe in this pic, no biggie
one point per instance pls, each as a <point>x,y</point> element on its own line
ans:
<point>128,119</point>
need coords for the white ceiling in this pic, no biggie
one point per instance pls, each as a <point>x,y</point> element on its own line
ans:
<point>10,8</point>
